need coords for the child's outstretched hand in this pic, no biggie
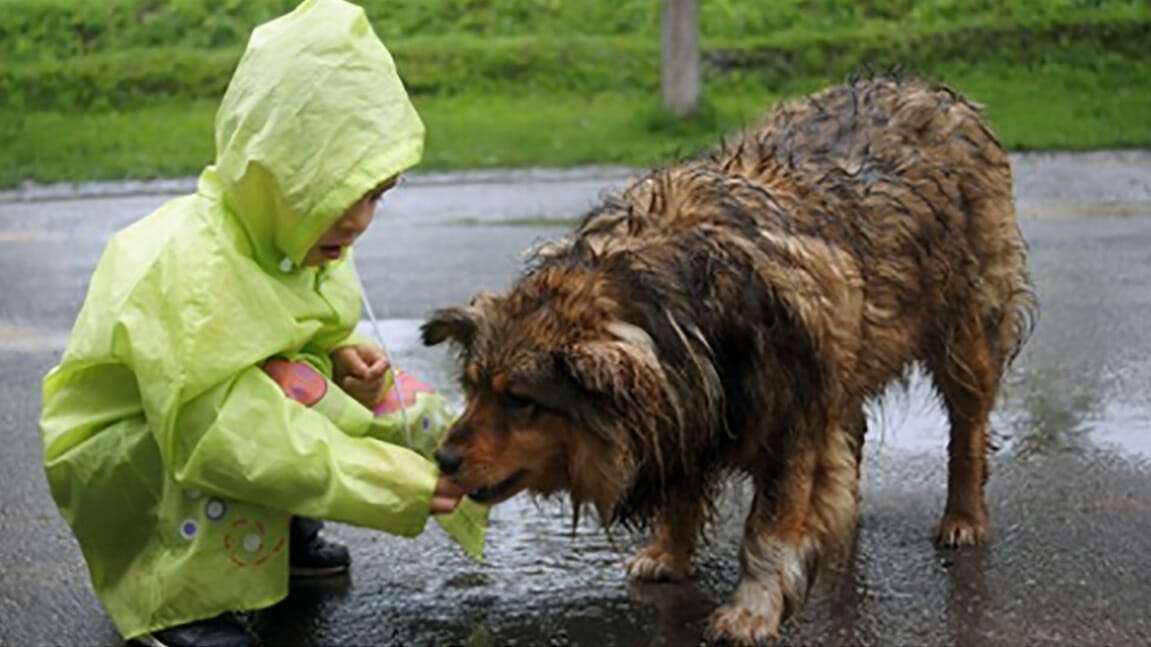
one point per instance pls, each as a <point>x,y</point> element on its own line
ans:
<point>360,371</point>
<point>447,496</point>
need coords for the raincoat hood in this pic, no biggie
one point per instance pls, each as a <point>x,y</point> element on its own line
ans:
<point>314,118</point>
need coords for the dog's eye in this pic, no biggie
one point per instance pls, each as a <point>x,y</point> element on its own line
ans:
<point>518,402</point>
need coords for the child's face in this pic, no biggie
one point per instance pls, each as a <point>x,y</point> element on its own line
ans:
<point>347,228</point>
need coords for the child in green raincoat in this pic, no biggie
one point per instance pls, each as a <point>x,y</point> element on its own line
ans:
<point>193,427</point>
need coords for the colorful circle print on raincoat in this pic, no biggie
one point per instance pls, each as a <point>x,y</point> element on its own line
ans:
<point>170,449</point>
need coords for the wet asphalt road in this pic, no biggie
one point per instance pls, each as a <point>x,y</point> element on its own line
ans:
<point>1069,562</point>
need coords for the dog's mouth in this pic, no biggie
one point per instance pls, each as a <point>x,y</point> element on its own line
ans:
<point>500,491</point>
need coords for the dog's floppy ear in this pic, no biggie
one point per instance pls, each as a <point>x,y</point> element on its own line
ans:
<point>619,368</point>
<point>593,365</point>
<point>457,324</point>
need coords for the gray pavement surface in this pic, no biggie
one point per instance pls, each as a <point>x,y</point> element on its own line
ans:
<point>1069,495</point>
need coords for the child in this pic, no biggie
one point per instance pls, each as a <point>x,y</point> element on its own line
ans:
<point>187,476</point>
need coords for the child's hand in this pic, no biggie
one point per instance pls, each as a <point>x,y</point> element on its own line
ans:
<point>447,496</point>
<point>360,371</point>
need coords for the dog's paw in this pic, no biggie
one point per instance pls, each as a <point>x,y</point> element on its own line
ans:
<point>959,530</point>
<point>653,564</point>
<point>732,624</point>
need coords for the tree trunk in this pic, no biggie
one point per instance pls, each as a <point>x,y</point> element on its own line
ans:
<point>679,46</point>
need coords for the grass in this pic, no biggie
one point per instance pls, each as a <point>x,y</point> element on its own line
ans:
<point>54,29</point>
<point>1046,107</point>
<point>157,141</point>
<point>129,88</point>
<point>440,64</point>
<point>1063,108</point>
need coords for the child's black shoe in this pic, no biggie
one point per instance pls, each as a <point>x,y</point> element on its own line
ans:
<point>310,555</point>
<point>221,631</point>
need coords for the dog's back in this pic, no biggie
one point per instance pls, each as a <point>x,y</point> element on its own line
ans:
<point>894,188</point>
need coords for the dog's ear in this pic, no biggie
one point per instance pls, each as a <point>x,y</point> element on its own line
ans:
<point>458,324</point>
<point>620,368</point>
<point>593,365</point>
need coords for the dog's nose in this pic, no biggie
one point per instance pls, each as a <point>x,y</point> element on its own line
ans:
<point>448,460</point>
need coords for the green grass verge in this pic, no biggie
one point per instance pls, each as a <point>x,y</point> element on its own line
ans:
<point>127,88</point>
<point>443,65</point>
<point>1052,106</point>
<point>53,29</point>
<point>157,141</point>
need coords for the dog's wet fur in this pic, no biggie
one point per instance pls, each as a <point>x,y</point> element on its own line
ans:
<point>735,314</point>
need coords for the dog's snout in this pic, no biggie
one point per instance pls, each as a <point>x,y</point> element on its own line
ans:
<point>448,460</point>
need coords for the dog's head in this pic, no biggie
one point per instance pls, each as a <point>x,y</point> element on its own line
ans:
<point>559,391</point>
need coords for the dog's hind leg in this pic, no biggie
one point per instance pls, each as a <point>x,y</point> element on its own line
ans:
<point>967,376</point>
<point>668,555</point>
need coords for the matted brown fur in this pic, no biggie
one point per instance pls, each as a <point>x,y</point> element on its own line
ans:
<point>735,313</point>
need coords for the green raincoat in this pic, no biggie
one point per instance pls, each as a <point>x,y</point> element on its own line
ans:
<point>174,456</point>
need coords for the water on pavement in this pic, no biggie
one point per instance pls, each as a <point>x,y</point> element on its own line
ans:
<point>1069,494</point>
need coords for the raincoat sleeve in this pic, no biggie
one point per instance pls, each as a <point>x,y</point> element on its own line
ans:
<point>244,439</point>
<point>299,382</point>
<point>410,414</point>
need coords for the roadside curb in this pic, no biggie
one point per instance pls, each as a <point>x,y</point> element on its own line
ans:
<point>37,192</point>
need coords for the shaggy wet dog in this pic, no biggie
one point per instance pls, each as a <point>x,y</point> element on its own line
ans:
<point>735,314</point>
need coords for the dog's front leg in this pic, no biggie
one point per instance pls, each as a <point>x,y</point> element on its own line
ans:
<point>808,509</point>
<point>777,557</point>
<point>668,555</point>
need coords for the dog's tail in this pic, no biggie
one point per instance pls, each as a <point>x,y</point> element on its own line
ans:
<point>1020,315</point>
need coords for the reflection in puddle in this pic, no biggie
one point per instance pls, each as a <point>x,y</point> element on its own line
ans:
<point>966,597</point>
